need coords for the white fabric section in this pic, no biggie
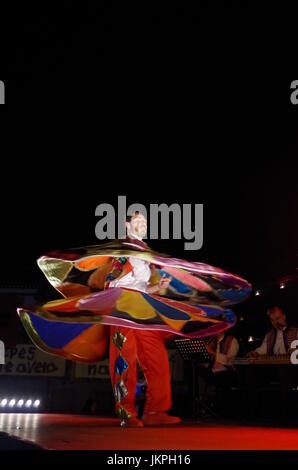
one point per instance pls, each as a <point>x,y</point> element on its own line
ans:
<point>134,235</point>
<point>137,279</point>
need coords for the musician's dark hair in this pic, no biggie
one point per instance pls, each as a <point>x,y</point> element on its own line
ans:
<point>278,305</point>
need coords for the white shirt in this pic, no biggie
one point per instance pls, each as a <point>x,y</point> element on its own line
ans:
<point>279,347</point>
<point>222,360</point>
<point>138,278</point>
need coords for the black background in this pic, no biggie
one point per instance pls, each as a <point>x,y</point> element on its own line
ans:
<point>161,104</point>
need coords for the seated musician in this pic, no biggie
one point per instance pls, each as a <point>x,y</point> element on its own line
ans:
<point>222,348</point>
<point>279,338</point>
<point>277,341</point>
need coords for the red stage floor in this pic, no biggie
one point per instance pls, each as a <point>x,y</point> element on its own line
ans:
<point>73,432</point>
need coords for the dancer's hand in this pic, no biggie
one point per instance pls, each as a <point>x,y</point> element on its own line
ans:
<point>164,282</point>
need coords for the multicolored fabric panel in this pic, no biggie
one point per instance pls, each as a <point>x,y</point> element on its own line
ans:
<point>194,305</point>
<point>81,342</point>
<point>71,272</point>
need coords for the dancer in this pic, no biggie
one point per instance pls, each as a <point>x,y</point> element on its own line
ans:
<point>128,345</point>
<point>142,296</point>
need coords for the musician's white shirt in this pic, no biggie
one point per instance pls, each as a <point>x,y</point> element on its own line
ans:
<point>279,347</point>
<point>222,360</point>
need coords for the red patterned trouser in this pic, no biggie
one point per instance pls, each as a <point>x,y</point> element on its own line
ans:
<point>126,346</point>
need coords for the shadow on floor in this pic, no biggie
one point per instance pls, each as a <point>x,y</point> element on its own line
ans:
<point>13,443</point>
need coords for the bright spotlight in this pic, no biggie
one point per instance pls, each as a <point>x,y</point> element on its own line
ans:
<point>282,285</point>
<point>36,403</point>
<point>20,403</point>
<point>257,293</point>
<point>12,403</point>
<point>28,403</point>
<point>4,402</point>
<point>250,339</point>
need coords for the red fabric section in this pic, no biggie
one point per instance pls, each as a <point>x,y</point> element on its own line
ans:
<point>148,347</point>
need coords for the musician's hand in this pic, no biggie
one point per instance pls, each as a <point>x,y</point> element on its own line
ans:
<point>252,354</point>
<point>210,350</point>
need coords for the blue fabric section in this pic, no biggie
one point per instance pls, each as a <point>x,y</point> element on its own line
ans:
<point>214,312</point>
<point>57,334</point>
<point>165,309</point>
<point>211,311</point>
<point>177,285</point>
<point>230,316</point>
<point>234,295</point>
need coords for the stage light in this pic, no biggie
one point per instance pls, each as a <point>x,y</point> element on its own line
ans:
<point>20,403</point>
<point>282,285</point>
<point>250,339</point>
<point>257,293</point>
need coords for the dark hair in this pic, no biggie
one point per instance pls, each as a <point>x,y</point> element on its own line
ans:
<point>129,217</point>
<point>276,305</point>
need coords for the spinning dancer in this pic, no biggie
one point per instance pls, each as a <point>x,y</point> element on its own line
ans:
<point>127,345</point>
<point>142,296</point>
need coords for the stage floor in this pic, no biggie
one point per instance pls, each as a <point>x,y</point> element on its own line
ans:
<point>76,432</point>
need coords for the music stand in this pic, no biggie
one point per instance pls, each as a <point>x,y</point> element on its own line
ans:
<point>195,352</point>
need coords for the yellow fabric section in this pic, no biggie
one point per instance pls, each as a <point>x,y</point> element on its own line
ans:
<point>55,270</point>
<point>202,319</point>
<point>135,304</point>
<point>177,325</point>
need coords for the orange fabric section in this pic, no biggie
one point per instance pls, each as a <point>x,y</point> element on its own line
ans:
<point>71,290</point>
<point>93,262</point>
<point>91,345</point>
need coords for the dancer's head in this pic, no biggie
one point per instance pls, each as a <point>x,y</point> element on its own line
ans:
<point>136,225</point>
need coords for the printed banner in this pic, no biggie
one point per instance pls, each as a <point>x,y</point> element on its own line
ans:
<point>26,359</point>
